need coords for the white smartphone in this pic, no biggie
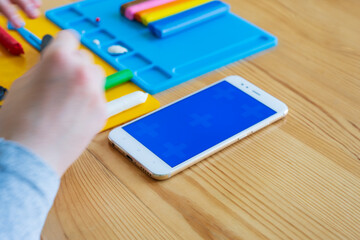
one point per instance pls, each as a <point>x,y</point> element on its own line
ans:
<point>171,139</point>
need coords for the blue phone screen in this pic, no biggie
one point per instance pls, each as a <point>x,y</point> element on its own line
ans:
<point>197,123</point>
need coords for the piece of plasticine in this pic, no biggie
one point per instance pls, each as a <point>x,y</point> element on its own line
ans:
<point>129,4</point>
<point>130,11</point>
<point>10,43</point>
<point>166,11</point>
<point>138,16</point>
<point>125,103</point>
<point>46,40</point>
<point>3,92</point>
<point>190,18</point>
<point>118,78</point>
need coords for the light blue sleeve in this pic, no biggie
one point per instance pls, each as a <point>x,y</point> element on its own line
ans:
<point>27,191</point>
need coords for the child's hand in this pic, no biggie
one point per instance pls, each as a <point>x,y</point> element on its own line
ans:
<point>58,106</point>
<point>30,7</point>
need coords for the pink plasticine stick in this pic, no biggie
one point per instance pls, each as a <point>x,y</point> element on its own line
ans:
<point>130,11</point>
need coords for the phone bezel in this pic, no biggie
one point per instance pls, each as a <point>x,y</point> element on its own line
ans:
<point>158,169</point>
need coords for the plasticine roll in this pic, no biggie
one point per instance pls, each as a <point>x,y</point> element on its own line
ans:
<point>126,102</point>
<point>139,15</point>
<point>129,4</point>
<point>166,10</point>
<point>118,78</point>
<point>13,46</point>
<point>130,11</point>
<point>190,18</point>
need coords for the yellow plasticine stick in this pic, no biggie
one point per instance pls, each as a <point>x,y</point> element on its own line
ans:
<point>166,12</point>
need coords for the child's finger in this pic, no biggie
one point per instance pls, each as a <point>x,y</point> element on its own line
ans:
<point>28,7</point>
<point>37,3</point>
<point>66,41</point>
<point>10,13</point>
<point>85,57</point>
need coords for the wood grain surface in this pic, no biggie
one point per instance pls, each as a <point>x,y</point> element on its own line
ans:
<point>297,179</point>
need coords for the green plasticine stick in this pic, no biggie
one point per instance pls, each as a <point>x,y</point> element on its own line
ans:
<point>118,78</point>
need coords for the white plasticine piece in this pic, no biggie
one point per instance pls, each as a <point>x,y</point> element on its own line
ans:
<point>126,102</point>
<point>96,41</point>
<point>117,50</point>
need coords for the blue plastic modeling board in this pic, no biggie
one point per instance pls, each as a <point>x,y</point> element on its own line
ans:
<point>161,63</point>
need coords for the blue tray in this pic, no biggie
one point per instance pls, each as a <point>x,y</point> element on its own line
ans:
<point>159,64</point>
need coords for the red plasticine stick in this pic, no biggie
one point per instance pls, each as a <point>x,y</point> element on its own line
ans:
<point>13,46</point>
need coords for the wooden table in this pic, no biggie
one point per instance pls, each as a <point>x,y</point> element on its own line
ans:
<point>297,179</point>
